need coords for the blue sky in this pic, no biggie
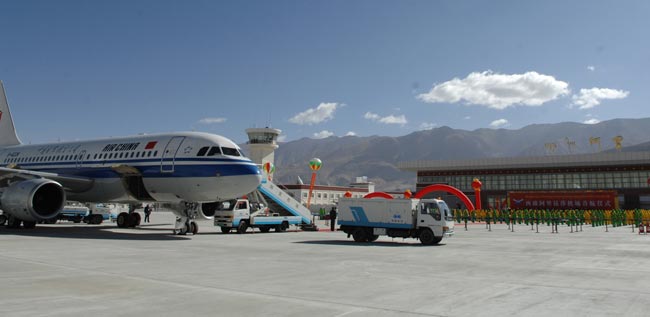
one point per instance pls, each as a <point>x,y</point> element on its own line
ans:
<point>87,69</point>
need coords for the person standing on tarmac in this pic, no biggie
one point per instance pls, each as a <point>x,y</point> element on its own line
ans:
<point>333,219</point>
<point>147,212</point>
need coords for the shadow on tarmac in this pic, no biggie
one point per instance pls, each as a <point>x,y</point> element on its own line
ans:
<point>96,233</point>
<point>388,244</point>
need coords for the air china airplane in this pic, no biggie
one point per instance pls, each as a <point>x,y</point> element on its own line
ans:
<point>191,170</point>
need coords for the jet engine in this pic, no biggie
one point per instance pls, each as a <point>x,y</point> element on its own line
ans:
<point>207,210</point>
<point>34,199</point>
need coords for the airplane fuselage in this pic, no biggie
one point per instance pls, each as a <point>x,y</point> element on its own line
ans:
<point>171,167</point>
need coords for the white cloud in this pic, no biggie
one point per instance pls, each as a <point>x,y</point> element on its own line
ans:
<point>467,118</point>
<point>591,68</point>
<point>427,126</point>
<point>401,119</point>
<point>591,121</point>
<point>589,98</point>
<point>323,134</point>
<point>498,91</point>
<point>324,112</point>
<point>499,123</point>
<point>212,120</point>
<point>351,133</point>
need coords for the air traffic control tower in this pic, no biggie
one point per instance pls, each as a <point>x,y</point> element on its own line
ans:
<point>262,143</point>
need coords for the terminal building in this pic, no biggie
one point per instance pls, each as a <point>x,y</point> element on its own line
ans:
<point>626,174</point>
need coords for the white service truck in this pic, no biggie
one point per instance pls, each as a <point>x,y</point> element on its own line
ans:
<point>429,220</point>
<point>241,214</point>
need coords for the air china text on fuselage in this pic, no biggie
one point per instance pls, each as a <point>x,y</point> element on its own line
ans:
<point>191,170</point>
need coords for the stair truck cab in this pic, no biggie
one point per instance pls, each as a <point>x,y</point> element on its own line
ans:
<point>428,220</point>
<point>241,214</point>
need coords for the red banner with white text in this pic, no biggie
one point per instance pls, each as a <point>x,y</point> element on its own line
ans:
<point>583,200</point>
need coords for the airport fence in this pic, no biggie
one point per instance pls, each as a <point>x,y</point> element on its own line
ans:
<point>554,218</point>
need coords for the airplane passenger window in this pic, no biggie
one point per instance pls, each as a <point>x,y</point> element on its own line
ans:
<point>214,151</point>
<point>230,151</point>
<point>202,151</point>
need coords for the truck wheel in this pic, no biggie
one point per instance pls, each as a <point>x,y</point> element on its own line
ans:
<point>427,237</point>
<point>99,219</point>
<point>225,229</point>
<point>77,219</point>
<point>13,222</point>
<point>51,221</point>
<point>242,227</point>
<point>265,229</point>
<point>29,224</point>
<point>373,237</point>
<point>359,235</point>
<point>437,240</point>
<point>3,219</point>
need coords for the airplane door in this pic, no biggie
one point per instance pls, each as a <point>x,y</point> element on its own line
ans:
<point>169,154</point>
<point>80,158</point>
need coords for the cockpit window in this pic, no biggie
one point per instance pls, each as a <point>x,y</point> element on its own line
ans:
<point>214,151</point>
<point>230,151</point>
<point>202,151</point>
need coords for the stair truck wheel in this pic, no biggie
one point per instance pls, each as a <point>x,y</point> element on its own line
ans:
<point>427,237</point>
<point>359,235</point>
<point>225,229</point>
<point>123,220</point>
<point>242,227</point>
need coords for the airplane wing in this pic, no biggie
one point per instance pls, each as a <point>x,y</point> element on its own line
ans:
<point>70,183</point>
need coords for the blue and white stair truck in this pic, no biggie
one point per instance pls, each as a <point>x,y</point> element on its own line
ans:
<point>241,214</point>
<point>429,220</point>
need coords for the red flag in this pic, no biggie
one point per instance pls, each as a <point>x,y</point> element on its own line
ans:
<point>150,145</point>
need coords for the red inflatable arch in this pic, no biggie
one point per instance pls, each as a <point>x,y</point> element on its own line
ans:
<point>378,195</point>
<point>446,188</point>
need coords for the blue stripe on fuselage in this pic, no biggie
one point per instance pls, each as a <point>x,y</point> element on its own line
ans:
<point>150,170</point>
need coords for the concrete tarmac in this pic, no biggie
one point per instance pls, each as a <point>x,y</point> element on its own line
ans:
<point>84,270</point>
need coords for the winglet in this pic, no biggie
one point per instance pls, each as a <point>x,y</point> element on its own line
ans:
<point>7,130</point>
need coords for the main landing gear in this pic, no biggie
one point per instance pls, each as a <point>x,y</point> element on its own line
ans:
<point>128,220</point>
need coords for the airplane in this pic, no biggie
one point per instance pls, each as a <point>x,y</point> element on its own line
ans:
<point>193,171</point>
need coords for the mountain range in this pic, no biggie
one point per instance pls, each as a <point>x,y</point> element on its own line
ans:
<point>376,157</point>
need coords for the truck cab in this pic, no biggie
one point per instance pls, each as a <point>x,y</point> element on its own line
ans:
<point>436,215</point>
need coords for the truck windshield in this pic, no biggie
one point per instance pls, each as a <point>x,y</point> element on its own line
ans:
<point>449,216</point>
<point>431,209</point>
<point>227,205</point>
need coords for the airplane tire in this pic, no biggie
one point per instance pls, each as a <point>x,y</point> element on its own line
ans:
<point>123,220</point>
<point>134,220</point>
